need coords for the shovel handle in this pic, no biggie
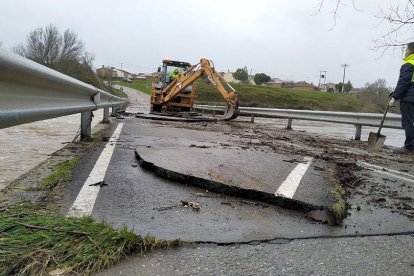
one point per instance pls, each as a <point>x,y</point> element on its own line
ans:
<point>383,117</point>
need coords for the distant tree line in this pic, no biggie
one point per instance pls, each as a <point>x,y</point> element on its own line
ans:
<point>64,52</point>
<point>261,78</point>
<point>242,75</point>
<point>374,97</point>
<point>347,87</point>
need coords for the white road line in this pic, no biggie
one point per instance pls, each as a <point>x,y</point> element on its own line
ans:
<point>289,186</point>
<point>364,164</point>
<point>389,172</point>
<point>86,198</point>
<point>394,176</point>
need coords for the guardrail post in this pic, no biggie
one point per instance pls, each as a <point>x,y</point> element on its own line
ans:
<point>86,128</point>
<point>105,115</point>
<point>358,131</point>
<point>252,118</point>
<point>289,124</point>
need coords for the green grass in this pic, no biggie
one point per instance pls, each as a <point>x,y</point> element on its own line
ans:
<point>61,174</point>
<point>118,93</point>
<point>35,242</point>
<point>263,96</point>
<point>141,85</point>
<point>339,205</point>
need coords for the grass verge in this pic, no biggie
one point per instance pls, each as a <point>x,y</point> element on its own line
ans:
<point>118,93</point>
<point>60,174</point>
<point>34,241</point>
<point>141,85</point>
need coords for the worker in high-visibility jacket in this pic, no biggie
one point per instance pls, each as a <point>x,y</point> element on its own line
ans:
<point>174,75</point>
<point>404,92</point>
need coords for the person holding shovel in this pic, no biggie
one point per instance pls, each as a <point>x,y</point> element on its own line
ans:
<point>404,92</point>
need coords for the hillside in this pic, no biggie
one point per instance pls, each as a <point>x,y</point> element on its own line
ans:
<point>263,96</point>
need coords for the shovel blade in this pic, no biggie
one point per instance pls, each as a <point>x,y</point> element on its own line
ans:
<point>375,141</point>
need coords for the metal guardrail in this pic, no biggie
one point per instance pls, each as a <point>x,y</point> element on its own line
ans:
<point>353,118</point>
<point>32,92</point>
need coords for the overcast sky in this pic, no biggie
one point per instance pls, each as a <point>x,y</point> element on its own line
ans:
<point>283,38</point>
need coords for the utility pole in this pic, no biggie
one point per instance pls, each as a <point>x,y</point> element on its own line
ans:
<point>322,75</point>
<point>343,79</point>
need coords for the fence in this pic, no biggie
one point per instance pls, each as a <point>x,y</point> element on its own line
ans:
<point>32,92</point>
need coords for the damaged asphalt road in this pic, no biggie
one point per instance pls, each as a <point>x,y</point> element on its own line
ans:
<point>134,195</point>
<point>377,206</point>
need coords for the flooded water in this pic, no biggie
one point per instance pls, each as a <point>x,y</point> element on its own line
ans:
<point>395,137</point>
<point>23,147</point>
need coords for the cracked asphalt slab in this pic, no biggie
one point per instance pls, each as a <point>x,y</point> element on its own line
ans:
<point>207,158</point>
<point>377,205</point>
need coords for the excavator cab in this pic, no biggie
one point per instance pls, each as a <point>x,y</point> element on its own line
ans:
<point>173,96</point>
<point>183,101</point>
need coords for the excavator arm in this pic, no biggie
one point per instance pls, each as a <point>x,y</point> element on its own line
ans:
<point>191,75</point>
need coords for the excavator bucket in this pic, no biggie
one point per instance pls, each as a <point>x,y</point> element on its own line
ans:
<point>231,112</point>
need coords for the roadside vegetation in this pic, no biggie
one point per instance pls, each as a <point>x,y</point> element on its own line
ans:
<point>141,85</point>
<point>36,240</point>
<point>64,52</point>
<point>265,96</point>
<point>374,97</point>
<point>371,98</point>
<point>270,97</point>
<point>60,174</point>
<point>116,92</point>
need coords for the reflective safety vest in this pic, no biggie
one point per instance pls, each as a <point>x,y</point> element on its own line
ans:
<point>174,75</point>
<point>410,60</point>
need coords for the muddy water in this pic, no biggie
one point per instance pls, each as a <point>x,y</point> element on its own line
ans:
<point>23,147</point>
<point>395,137</point>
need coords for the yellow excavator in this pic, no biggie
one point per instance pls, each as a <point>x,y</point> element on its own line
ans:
<point>172,96</point>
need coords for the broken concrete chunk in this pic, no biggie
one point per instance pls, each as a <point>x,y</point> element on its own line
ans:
<point>323,216</point>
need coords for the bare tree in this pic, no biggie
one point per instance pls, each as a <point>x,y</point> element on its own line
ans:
<point>72,46</point>
<point>400,23</point>
<point>42,45</point>
<point>63,52</point>
<point>49,47</point>
<point>374,96</point>
<point>398,18</point>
